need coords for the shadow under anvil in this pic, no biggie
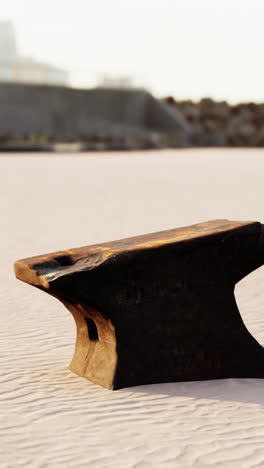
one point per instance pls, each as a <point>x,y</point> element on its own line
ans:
<point>233,390</point>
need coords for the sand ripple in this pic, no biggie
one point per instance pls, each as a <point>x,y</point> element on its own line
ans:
<point>50,417</point>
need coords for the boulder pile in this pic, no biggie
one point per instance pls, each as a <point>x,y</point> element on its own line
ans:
<point>221,124</point>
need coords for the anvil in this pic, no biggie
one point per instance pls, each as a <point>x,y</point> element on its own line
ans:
<point>158,307</point>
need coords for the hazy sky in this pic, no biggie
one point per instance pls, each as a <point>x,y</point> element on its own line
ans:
<point>187,48</point>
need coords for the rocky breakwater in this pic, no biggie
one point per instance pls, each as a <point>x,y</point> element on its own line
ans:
<point>221,124</point>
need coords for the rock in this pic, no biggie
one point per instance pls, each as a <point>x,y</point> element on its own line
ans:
<point>220,124</point>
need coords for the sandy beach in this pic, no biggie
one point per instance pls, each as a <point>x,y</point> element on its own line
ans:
<point>50,417</point>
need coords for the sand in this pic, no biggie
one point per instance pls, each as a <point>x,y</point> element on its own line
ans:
<point>50,417</point>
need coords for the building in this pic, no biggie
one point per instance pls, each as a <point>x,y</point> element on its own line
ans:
<point>18,69</point>
<point>8,49</point>
<point>119,82</point>
<point>27,70</point>
<point>100,114</point>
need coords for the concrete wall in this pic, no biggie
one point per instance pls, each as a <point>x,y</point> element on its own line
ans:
<point>73,113</point>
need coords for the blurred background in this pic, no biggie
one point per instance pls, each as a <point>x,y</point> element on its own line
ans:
<point>127,75</point>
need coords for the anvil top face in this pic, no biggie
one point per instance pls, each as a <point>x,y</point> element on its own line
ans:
<point>43,269</point>
<point>158,307</point>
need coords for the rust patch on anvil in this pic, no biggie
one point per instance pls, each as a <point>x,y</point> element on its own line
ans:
<point>43,269</point>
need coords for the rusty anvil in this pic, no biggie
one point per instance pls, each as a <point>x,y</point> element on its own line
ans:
<point>158,307</point>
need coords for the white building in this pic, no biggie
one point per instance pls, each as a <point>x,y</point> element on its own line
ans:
<point>8,50</point>
<point>17,69</point>
<point>27,70</point>
<point>117,82</point>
